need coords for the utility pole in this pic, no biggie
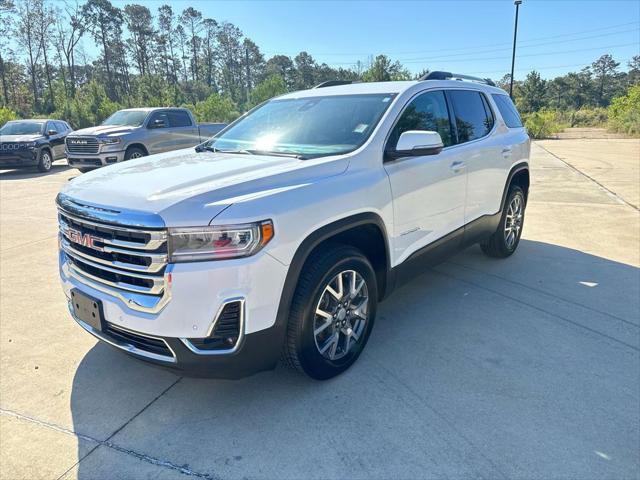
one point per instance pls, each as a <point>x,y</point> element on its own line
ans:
<point>517,3</point>
<point>246,58</point>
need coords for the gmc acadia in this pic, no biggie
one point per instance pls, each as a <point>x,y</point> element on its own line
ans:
<point>278,237</point>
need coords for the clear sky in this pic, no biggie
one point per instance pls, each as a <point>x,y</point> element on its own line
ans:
<point>472,37</point>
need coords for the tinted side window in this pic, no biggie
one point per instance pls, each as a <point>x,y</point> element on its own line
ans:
<point>508,111</point>
<point>179,119</point>
<point>426,112</point>
<point>61,127</point>
<point>473,118</point>
<point>159,116</point>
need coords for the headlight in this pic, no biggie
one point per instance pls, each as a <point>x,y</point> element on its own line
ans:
<point>218,242</point>
<point>109,140</point>
<point>30,144</point>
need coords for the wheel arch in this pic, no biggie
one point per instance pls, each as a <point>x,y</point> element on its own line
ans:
<point>365,231</point>
<point>518,175</point>
<point>137,145</point>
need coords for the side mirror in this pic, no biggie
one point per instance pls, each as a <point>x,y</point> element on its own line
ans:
<point>417,143</point>
<point>157,123</point>
<point>51,133</point>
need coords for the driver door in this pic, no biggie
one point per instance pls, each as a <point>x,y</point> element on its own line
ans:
<point>428,191</point>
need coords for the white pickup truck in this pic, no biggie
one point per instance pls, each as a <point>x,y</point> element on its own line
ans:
<point>134,133</point>
<point>278,237</point>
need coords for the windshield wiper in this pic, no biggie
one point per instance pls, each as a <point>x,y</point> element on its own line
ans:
<point>210,148</point>
<point>277,154</point>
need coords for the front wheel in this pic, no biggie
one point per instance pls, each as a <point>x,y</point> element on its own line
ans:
<point>505,239</point>
<point>134,152</point>
<point>45,161</point>
<point>332,312</point>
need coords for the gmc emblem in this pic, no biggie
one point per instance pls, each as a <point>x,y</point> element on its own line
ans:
<point>86,240</point>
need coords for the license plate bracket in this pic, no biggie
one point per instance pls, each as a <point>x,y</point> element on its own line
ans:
<point>87,309</point>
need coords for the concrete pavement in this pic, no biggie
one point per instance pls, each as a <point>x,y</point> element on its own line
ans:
<point>523,368</point>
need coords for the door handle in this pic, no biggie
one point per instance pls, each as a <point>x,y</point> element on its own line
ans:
<point>506,152</point>
<point>457,166</point>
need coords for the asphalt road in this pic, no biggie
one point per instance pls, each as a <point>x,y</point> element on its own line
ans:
<point>524,368</point>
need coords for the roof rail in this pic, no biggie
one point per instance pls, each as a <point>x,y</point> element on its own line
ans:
<point>455,76</point>
<point>333,83</point>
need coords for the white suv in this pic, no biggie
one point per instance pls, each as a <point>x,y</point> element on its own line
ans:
<point>278,237</point>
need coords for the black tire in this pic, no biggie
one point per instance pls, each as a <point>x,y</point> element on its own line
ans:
<point>497,245</point>
<point>45,160</point>
<point>301,350</point>
<point>134,152</point>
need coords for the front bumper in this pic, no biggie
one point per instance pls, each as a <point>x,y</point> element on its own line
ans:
<point>199,290</point>
<point>94,160</point>
<point>259,351</point>
<point>19,158</point>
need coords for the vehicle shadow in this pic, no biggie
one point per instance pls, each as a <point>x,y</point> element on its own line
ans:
<point>476,368</point>
<point>32,172</point>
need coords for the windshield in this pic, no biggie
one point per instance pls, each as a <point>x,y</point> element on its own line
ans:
<point>308,127</point>
<point>130,118</point>
<point>22,128</point>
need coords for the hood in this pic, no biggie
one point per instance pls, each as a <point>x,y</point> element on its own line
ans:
<point>19,138</point>
<point>102,130</point>
<point>205,183</point>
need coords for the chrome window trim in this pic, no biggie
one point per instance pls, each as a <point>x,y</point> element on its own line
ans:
<point>127,347</point>
<point>241,335</point>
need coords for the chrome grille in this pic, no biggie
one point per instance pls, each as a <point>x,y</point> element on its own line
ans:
<point>82,145</point>
<point>127,262</point>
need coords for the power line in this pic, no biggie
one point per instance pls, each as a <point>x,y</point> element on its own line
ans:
<point>467,48</point>
<point>472,58</point>
<point>525,46</point>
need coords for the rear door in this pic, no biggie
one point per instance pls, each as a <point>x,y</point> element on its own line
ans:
<point>184,132</point>
<point>481,150</point>
<point>428,191</point>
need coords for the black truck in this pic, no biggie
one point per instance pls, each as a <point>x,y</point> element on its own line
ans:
<point>32,143</point>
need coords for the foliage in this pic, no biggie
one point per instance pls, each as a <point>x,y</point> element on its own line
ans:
<point>89,107</point>
<point>6,114</point>
<point>624,112</point>
<point>383,69</point>
<point>162,57</point>
<point>270,87</point>
<point>216,109</point>
<point>543,123</point>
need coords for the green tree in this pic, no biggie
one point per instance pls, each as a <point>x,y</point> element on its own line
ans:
<point>216,108</point>
<point>305,71</point>
<point>383,70</point>
<point>532,93</point>
<point>283,66</point>
<point>604,70</point>
<point>270,87</point>
<point>624,112</point>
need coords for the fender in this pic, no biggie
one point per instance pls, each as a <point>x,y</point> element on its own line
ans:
<point>311,242</point>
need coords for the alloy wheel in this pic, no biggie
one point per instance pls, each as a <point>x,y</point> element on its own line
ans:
<point>46,161</point>
<point>341,315</point>
<point>513,223</point>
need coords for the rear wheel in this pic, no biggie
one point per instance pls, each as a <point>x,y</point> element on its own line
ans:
<point>332,312</point>
<point>505,239</point>
<point>45,161</point>
<point>134,152</point>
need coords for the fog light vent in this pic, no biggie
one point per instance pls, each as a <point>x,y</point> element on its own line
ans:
<point>226,331</point>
